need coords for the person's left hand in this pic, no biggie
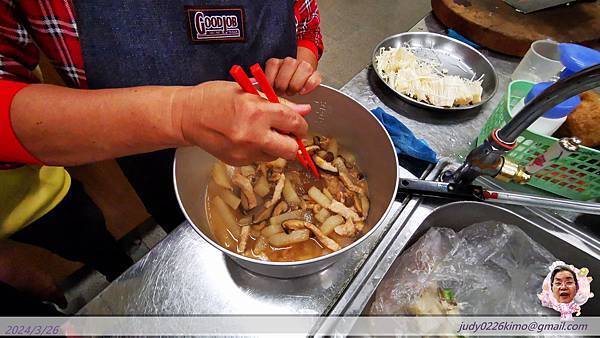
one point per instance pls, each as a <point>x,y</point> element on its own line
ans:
<point>292,76</point>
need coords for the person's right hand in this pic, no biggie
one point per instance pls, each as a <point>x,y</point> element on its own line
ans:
<point>237,127</point>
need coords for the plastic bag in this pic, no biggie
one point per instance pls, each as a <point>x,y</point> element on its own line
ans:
<point>485,269</point>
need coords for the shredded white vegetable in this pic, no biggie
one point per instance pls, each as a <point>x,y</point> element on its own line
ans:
<point>423,80</point>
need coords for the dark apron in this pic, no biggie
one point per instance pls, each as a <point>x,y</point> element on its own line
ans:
<point>146,42</point>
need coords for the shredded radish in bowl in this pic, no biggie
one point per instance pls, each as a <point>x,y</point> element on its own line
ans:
<point>424,80</point>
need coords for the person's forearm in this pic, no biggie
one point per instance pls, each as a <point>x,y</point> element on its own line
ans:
<point>64,126</point>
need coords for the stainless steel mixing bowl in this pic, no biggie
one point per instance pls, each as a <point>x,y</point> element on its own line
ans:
<point>453,55</point>
<point>334,114</point>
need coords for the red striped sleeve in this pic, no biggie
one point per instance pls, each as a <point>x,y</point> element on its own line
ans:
<point>18,54</point>
<point>308,26</point>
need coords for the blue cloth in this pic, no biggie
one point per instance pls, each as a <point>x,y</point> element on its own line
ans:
<point>404,140</point>
<point>456,35</point>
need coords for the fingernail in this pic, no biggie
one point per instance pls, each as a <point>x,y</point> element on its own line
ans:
<point>302,91</point>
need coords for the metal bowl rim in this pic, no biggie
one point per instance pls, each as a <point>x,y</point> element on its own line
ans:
<point>427,105</point>
<point>312,260</point>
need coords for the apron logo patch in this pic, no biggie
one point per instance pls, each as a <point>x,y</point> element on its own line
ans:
<point>216,24</point>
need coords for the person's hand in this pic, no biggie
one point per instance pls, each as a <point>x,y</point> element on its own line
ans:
<point>237,127</point>
<point>19,272</point>
<point>291,76</point>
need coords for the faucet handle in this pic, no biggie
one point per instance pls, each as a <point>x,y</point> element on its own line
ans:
<point>563,148</point>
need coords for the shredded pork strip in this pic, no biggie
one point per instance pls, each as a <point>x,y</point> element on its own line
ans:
<point>244,184</point>
<point>277,192</point>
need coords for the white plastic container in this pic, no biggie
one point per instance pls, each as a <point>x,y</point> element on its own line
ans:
<point>549,123</point>
<point>541,126</point>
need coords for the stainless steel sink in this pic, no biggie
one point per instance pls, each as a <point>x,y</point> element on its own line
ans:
<point>559,236</point>
<point>562,245</point>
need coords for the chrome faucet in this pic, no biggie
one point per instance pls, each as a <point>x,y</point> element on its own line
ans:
<point>488,159</point>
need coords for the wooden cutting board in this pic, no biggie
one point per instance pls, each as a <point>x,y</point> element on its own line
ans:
<point>497,26</point>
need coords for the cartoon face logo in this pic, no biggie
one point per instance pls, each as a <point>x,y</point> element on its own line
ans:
<point>564,284</point>
<point>566,289</point>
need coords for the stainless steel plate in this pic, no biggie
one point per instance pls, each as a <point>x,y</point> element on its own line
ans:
<point>455,56</point>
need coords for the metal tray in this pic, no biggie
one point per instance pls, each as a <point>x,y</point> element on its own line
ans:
<point>455,56</point>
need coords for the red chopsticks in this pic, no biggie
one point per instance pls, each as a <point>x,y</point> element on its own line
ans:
<point>242,79</point>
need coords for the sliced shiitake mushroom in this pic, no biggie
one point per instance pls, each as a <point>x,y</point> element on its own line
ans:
<point>263,214</point>
<point>329,156</point>
<point>326,241</point>
<point>321,163</point>
<point>277,220</point>
<point>245,221</point>
<point>293,224</point>
<point>280,208</point>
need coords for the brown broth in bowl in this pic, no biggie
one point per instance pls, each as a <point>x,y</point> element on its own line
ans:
<point>256,231</point>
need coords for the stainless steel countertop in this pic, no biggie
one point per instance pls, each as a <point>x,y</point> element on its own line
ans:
<point>184,274</point>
